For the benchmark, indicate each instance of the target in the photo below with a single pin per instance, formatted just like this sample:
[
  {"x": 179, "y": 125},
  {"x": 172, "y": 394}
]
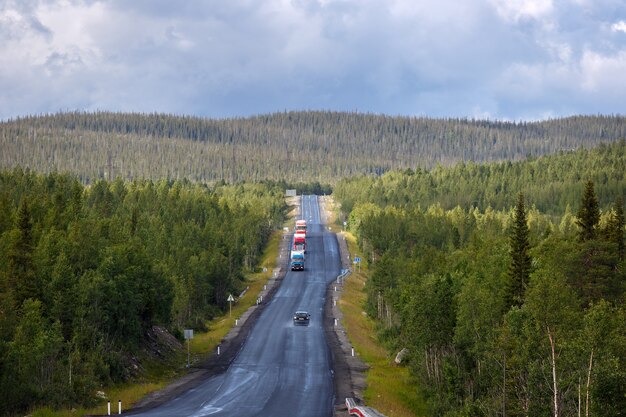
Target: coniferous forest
[
  {"x": 291, "y": 146},
  {"x": 506, "y": 282},
  {"x": 496, "y": 249},
  {"x": 87, "y": 271}
]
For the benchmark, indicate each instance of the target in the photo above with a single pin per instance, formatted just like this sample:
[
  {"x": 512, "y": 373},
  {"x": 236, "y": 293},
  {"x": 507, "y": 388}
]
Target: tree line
[
  {"x": 506, "y": 311},
  {"x": 291, "y": 146},
  {"x": 87, "y": 271},
  {"x": 555, "y": 183}
]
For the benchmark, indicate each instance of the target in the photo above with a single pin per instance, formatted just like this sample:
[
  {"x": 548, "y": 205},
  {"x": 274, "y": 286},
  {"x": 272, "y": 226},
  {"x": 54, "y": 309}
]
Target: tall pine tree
[
  {"x": 615, "y": 227},
  {"x": 588, "y": 214},
  {"x": 519, "y": 269},
  {"x": 21, "y": 268}
]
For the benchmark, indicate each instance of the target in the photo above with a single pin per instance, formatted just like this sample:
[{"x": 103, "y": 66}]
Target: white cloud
[
  {"x": 498, "y": 58},
  {"x": 619, "y": 26},
  {"x": 515, "y": 10},
  {"x": 605, "y": 74}
]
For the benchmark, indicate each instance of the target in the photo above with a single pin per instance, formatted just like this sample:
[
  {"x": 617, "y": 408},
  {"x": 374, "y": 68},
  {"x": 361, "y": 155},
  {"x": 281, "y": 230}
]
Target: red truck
[
  {"x": 301, "y": 226},
  {"x": 299, "y": 242}
]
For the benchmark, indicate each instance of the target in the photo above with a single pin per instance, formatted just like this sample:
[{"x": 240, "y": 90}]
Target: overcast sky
[{"x": 497, "y": 59}]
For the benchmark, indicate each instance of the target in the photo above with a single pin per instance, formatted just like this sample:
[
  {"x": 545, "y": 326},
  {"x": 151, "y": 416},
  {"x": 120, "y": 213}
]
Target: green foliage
[
  {"x": 605, "y": 337},
  {"x": 503, "y": 308},
  {"x": 519, "y": 271},
  {"x": 551, "y": 183},
  {"x": 31, "y": 362},
  {"x": 615, "y": 227},
  {"x": 87, "y": 271},
  {"x": 20, "y": 269},
  {"x": 589, "y": 213}
]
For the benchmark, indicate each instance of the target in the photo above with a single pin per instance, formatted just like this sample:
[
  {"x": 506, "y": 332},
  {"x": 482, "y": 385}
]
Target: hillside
[
  {"x": 511, "y": 302},
  {"x": 291, "y": 146},
  {"x": 86, "y": 272},
  {"x": 552, "y": 182}
]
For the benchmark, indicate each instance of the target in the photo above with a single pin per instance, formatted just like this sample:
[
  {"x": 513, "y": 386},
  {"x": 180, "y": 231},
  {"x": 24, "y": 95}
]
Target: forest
[
  {"x": 496, "y": 249},
  {"x": 555, "y": 182},
  {"x": 291, "y": 146},
  {"x": 511, "y": 303},
  {"x": 86, "y": 271}
]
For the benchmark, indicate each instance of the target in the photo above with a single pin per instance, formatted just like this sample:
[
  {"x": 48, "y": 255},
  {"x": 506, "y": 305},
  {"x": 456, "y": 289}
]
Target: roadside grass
[
  {"x": 390, "y": 389},
  {"x": 331, "y": 214},
  {"x": 159, "y": 374}
]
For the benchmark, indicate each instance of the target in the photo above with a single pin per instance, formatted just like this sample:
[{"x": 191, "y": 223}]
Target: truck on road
[
  {"x": 301, "y": 226},
  {"x": 299, "y": 242},
  {"x": 297, "y": 260}
]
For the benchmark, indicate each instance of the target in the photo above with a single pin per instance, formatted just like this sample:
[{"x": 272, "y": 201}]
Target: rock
[{"x": 400, "y": 356}]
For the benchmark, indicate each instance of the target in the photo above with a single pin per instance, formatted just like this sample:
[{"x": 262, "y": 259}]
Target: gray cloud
[{"x": 507, "y": 59}]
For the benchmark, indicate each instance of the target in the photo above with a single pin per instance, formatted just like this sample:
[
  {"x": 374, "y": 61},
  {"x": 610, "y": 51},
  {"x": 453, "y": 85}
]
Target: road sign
[
  {"x": 230, "y": 304},
  {"x": 188, "y": 336},
  {"x": 357, "y": 260}
]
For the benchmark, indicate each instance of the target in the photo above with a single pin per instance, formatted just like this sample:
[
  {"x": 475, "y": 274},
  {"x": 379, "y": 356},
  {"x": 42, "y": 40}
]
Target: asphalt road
[{"x": 282, "y": 369}]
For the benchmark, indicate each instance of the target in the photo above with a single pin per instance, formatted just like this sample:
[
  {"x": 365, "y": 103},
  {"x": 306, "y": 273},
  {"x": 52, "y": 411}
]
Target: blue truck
[{"x": 297, "y": 260}]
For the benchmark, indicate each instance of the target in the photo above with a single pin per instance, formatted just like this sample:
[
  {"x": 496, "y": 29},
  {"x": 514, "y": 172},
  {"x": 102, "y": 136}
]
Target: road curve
[{"x": 281, "y": 370}]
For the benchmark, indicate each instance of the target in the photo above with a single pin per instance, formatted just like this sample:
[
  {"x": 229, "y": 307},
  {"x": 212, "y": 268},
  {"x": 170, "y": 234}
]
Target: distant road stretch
[{"x": 282, "y": 370}]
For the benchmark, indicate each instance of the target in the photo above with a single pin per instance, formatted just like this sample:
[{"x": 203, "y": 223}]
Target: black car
[{"x": 301, "y": 317}]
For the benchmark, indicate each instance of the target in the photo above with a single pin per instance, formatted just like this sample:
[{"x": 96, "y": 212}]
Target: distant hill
[{"x": 291, "y": 146}]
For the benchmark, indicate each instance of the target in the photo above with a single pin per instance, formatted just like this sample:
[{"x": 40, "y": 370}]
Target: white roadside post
[{"x": 188, "y": 336}]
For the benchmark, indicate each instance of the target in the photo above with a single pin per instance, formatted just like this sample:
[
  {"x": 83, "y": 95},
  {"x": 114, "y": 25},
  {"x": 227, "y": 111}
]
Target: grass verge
[{"x": 390, "y": 389}]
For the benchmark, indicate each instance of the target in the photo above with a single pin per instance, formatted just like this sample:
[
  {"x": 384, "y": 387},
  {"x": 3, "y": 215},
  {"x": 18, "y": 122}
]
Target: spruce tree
[
  {"x": 21, "y": 269},
  {"x": 615, "y": 227},
  {"x": 519, "y": 269},
  {"x": 588, "y": 214}
]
